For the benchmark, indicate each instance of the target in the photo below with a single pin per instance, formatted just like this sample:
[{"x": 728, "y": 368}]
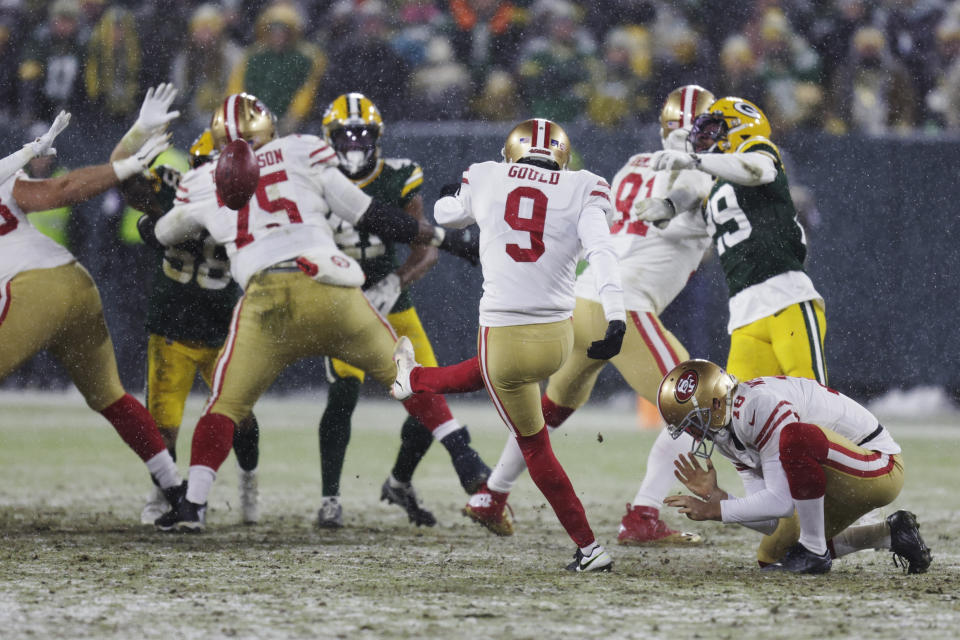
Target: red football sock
[
  {"x": 455, "y": 378},
  {"x": 802, "y": 448},
  {"x": 552, "y": 480},
  {"x": 136, "y": 426},
  {"x": 212, "y": 440},
  {"x": 554, "y": 414},
  {"x": 429, "y": 408}
]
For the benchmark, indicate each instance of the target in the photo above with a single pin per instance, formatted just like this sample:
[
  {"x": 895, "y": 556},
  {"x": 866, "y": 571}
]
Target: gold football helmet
[
  {"x": 728, "y": 123},
  {"x": 201, "y": 151},
  {"x": 352, "y": 125},
  {"x": 243, "y": 116},
  {"x": 696, "y": 397},
  {"x": 537, "y": 139},
  {"x": 682, "y": 106}
]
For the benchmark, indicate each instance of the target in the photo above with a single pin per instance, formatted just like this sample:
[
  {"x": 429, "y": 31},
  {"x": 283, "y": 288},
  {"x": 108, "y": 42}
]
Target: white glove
[
  {"x": 677, "y": 140},
  {"x": 654, "y": 209},
  {"x": 154, "y": 116},
  {"x": 384, "y": 294},
  {"x": 154, "y": 146},
  {"x": 670, "y": 160},
  {"x": 43, "y": 146}
]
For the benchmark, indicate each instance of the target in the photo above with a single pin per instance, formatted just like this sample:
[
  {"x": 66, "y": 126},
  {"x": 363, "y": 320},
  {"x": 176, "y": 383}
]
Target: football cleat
[
  {"x": 406, "y": 361},
  {"x": 597, "y": 560},
  {"x": 247, "y": 486},
  {"x": 156, "y": 506},
  {"x": 642, "y": 525},
  {"x": 799, "y": 559},
  {"x": 490, "y": 509},
  {"x": 330, "y": 515},
  {"x": 909, "y": 550},
  {"x": 406, "y": 498},
  {"x": 185, "y": 517}
]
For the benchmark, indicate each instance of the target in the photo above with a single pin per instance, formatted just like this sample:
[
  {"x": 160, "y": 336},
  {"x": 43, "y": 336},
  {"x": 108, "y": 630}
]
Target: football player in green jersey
[
  {"x": 191, "y": 303},
  {"x": 352, "y": 125},
  {"x": 777, "y": 322}
]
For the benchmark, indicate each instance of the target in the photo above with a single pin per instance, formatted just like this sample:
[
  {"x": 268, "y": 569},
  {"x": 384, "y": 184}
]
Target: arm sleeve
[
  {"x": 753, "y": 483},
  {"x": 771, "y": 501},
  {"x": 14, "y": 162},
  {"x": 176, "y": 226},
  {"x": 599, "y": 252},
  {"x": 750, "y": 169},
  {"x": 456, "y": 211},
  {"x": 689, "y": 190},
  {"x": 346, "y": 200}
]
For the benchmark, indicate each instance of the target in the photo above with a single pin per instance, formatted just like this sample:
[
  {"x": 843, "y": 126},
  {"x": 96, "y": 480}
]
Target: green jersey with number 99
[
  {"x": 755, "y": 229},
  {"x": 193, "y": 295}
]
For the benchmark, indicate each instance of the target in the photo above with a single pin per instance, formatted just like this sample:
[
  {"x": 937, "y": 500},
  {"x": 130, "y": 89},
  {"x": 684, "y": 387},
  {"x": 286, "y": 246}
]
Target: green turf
[{"x": 75, "y": 563}]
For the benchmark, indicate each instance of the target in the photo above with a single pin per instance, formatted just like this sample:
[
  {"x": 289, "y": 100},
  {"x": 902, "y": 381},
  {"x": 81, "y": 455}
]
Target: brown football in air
[{"x": 237, "y": 174}]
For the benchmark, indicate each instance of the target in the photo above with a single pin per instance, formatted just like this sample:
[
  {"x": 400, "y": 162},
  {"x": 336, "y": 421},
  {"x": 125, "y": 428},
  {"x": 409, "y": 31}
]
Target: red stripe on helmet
[{"x": 546, "y": 134}]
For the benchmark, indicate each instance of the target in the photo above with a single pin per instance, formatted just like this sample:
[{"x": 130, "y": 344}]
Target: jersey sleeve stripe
[
  {"x": 764, "y": 438},
  {"x": 766, "y": 425},
  {"x": 322, "y": 160},
  {"x": 410, "y": 186},
  {"x": 464, "y": 180},
  {"x": 323, "y": 149},
  {"x": 601, "y": 194}
]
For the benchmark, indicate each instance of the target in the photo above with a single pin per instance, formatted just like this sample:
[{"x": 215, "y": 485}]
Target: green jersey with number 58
[
  {"x": 755, "y": 229},
  {"x": 193, "y": 295}
]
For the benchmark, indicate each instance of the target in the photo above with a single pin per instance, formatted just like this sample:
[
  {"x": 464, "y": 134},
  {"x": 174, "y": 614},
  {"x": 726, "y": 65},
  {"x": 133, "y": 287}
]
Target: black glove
[
  {"x": 145, "y": 226},
  {"x": 610, "y": 345},
  {"x": 451, "y": 189},
  {"x": 462, "y": 243}
]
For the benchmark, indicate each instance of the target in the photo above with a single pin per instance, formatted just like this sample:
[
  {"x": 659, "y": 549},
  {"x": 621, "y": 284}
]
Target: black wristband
[{"x": 390, "y": 223}]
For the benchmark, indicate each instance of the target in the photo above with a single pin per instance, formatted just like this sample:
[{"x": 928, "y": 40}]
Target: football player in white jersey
[
  {"x": 49, "y": 301},
  {"x": 812, "y": 461},
  {"x": 302, "y": 294},
  {"x": 534, "y": 216},
  {"x": 655, "y": 264}
]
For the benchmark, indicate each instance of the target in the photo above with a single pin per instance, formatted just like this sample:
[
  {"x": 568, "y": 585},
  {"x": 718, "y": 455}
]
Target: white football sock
[
  {"x": 199, "y": 482},
  {"x": 446, "y": 429},
  {"x": 164, "y": 469},
  {"x": 659, "y": 478},
  {"x": 810, "y": 513},
  {"x": 869, "y": 536}
]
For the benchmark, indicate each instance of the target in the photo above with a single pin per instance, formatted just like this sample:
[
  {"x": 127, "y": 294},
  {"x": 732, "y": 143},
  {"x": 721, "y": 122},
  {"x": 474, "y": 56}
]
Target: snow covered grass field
[{"x": 76, "y": 563}]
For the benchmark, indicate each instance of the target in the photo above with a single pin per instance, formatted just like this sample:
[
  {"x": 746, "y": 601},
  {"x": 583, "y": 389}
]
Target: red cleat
[
  {"x": 642, "y": 525},
  {"x": 490, "y": 509}
]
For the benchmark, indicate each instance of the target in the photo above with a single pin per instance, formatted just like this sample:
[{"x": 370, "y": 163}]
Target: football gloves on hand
[
  {"x": 450, "y": 189},
  {"x": 659, "y": 211},
  {"x": 462, "y": 243},
  {"x": 154, "y": 115},
  {"x": 611, "y": 343},
  {"x": 384, "y": 294},
  {"x": 43, "y": 146},
  {"x": 670, "y": 160},
  {"x": 154, "y": 146}
]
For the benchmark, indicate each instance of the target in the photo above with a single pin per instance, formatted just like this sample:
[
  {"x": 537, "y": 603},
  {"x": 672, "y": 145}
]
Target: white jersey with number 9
[{"x": 533, "y": 222}]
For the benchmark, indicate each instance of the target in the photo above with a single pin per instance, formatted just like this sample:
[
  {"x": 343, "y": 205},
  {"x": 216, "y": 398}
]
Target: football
[{"x": 237, "y": 174}]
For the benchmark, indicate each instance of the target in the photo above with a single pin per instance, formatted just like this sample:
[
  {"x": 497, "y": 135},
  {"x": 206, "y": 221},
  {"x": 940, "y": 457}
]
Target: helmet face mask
[
  {"x": 707, "y": 133},
  {"x": 352, "y": 125},
  {"x": 696, "y": 397}
]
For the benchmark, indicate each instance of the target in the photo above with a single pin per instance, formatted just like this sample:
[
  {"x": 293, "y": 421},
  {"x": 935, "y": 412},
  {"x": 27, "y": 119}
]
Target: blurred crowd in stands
[{"x": 872, "y": 66}]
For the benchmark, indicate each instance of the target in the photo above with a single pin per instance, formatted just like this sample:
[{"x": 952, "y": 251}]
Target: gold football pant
[
  {"x": 59, "y": 309},
  {"x": 649, "y": 351},
  {"x": 858, "y": 481},
  {"x": 513, "y": 361},
  {"x": 790, "y": 342},
  {"x": 172, "y": 367},
  {"x": 404, "y": 323},
  {"x": 285, "y": 316}
]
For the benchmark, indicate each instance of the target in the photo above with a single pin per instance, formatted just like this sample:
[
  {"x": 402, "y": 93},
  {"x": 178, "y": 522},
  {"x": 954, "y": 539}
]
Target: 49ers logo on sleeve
[{"x": 686, "y": 385}]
